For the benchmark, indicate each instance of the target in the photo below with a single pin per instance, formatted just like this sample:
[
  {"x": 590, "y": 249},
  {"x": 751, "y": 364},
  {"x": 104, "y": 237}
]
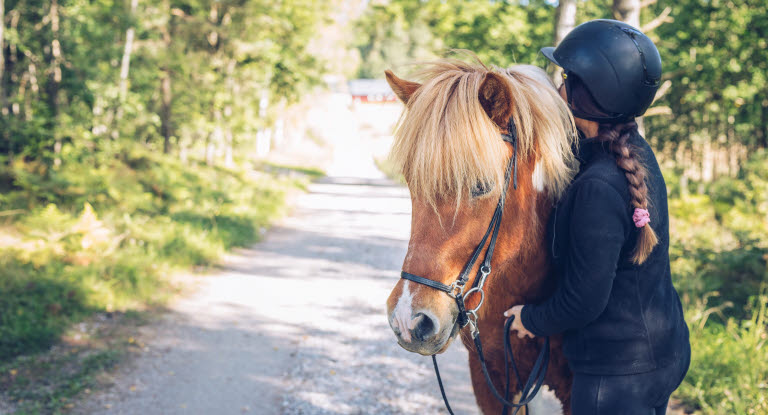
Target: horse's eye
[{"x": 481, "y": 189}]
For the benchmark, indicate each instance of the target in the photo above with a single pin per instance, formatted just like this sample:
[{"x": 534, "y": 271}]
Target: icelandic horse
[{"x": 448, "y": 146}]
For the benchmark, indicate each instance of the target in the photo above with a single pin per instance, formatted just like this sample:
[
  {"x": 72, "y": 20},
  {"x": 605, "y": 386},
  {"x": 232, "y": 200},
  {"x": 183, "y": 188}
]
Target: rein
[{"x": 469, "y": 317}]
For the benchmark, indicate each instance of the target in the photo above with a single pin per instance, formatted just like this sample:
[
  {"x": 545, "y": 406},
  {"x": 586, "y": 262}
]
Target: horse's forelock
[{"x": 445, "y": 143}]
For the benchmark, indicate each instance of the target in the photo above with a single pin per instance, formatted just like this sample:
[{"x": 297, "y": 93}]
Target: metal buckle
[
  {"x": 456, "y": 289},
  {"x": 485, "y": 271},
  {"x": 472, "y": 321}
]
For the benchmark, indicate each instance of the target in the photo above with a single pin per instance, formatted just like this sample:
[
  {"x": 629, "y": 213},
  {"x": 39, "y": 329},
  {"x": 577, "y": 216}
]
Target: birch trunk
[
  {"x": 165, "y": 85},
  {"x": 53, "y": 85},
  {"x": 3, "y": 85},
  {"x": 566, "y": 20},
  {"x": 628, "y": 11},
  {"x": 125, "y": 63},
  {"x": 3, "y": 92}
]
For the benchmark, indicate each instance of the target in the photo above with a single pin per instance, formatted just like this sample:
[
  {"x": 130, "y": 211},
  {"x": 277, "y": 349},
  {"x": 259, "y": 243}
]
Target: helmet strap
[{"x": 602, "y": 120}]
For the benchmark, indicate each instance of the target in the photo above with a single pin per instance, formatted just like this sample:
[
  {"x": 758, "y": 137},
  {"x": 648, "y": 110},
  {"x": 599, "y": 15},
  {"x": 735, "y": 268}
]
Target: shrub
[
  {"x": 729, "y": 365},
  {"x": 88, "y": 238}
]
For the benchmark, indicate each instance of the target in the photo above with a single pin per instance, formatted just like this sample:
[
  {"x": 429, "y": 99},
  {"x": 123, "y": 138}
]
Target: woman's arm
[{"x": 598, "y": 230}]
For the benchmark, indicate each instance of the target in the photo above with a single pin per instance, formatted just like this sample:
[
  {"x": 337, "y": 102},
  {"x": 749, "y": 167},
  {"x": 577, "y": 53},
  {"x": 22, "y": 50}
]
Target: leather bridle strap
[{"x": 429, "y": 283}]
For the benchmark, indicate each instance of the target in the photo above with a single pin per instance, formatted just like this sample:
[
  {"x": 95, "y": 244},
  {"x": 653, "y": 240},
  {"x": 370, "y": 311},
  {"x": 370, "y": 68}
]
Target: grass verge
[
  {"x": 98, "y": 238},
  {"x": 46, "y": 383}
]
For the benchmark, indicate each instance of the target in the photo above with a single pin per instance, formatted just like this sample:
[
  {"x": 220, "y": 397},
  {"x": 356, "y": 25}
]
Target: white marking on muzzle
[
  {"x": 538, "y": 179},
  {"x": 403, "y": 311}
]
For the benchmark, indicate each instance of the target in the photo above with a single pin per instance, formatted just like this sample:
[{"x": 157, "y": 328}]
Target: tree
[
  {"x": 501, "y": 33},
  {"x": 566, "y": 21},
  {"x": 87, "y": 78},
  {"x": 627, "y": 11},
  {"x": 717, "y": 93}
]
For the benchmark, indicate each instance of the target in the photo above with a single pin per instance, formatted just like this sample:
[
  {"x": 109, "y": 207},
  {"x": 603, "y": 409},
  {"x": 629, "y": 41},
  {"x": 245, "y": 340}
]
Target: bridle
[{"x": 469, "y": 317}]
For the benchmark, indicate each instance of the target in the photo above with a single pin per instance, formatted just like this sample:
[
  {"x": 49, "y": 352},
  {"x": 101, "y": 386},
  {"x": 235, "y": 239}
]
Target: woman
[{"x": 624, "y": 332}]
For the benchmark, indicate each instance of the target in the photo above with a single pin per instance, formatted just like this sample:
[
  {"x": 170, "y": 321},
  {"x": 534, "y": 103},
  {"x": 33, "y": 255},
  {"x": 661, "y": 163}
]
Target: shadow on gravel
[
  {"x": 330, "y": 372},
  {"x": 333, "y": 368},
  {"x": 308, "y": 245}
]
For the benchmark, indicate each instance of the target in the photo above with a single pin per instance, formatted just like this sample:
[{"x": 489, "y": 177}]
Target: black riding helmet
[{"x": 619, "y": 65}]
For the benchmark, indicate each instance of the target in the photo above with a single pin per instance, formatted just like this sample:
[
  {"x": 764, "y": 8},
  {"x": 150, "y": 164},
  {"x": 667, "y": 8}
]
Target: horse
[{"x": 449, "y": 147}]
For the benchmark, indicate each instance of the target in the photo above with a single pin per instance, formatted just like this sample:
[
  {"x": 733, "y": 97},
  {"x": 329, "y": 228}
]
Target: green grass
[
  {"x": 389, "y": 169},
  {"x": 65, "y": 377},
  {"x": 290, "y": 170},
  {"x": 46, "y": 383},
  {"x": 729, "y": 365},
  {"x": 105, "y": 236}
]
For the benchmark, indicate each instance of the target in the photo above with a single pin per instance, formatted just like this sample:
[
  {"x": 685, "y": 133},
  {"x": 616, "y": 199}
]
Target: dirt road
[{"x": 296, "y": 324}]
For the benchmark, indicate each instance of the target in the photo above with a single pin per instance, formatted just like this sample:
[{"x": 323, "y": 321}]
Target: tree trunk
[
  {"x": 566, "y": 20},
  {"x": 229, "y": 138},
  {"x": 3, "y": 92},
  {"x": 126, "y": 62},
  {"x": 165, "y": 111},
  {"x": 165, "y": 86},
  {"x": 764, "y": 122},
  {"x": 125, "y": 65},
  {"x": 3, "y": 87},
  {"x": 10, "y": 61},
  {"x": 627, "y": 11},
  {"x": 210, "y": 148},
  {"x": 214, "y": 137},
  {"x": 53, "y": 85}
]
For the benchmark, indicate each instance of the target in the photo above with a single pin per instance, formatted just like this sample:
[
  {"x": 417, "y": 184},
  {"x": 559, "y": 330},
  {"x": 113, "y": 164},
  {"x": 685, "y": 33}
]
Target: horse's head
[{"x": 449, "y": 148}]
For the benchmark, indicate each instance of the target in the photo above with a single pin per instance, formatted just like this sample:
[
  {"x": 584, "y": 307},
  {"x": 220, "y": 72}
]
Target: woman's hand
[{"x": 517, "y": 323}]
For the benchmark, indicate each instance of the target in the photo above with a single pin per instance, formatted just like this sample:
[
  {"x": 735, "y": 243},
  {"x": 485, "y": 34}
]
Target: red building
[{"x": 370, "y": 91}]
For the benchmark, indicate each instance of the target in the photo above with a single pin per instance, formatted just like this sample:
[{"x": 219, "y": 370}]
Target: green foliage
[
  {"x": 719, "y": 255},
  {"x": 720, "y": 239},
  {"x": 105, "y": 239},
  {"x": 386, "y": 166},
  {"x": 34, "y": 306},
  {"x": 715, "y": 55},
  {"x": 500, "y": 32},
  {"x": 729, "y": 365},
  {"x": 202, "y": 75}
]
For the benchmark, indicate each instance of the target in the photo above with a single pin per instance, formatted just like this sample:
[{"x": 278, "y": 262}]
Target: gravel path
[{"x": 296, "y": 324}]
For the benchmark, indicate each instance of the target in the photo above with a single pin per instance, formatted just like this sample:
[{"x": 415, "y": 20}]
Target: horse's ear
[
  {"x": 495, "y": 96},
  {"x": 402, "y": 88}
]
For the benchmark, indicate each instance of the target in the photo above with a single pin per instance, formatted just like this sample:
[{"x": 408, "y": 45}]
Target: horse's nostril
[{"x": 423, "y": 327}]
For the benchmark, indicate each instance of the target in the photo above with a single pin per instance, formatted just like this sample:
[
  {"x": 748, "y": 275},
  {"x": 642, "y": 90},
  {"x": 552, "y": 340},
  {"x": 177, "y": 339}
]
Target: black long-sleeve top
[{"x": 617, "y": 317}]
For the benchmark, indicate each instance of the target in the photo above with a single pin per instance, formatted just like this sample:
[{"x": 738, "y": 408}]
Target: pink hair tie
[{"x": 641, "y": 217}]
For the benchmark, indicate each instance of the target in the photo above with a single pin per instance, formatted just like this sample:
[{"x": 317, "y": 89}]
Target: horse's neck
[{"x": 521, "y": 259}]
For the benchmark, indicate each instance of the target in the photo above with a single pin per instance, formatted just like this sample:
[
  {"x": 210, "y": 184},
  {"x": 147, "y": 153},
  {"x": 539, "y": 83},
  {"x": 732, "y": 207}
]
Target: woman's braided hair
[{"x": 627, "y": 158}]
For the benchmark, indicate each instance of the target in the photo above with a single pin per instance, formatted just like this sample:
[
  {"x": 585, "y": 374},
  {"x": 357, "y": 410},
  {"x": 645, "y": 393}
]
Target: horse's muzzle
[{"x": 423, "y": 334}]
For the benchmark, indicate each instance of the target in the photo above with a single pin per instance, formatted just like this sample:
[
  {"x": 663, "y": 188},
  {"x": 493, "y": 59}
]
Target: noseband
[{"x": 469, "y": 317}]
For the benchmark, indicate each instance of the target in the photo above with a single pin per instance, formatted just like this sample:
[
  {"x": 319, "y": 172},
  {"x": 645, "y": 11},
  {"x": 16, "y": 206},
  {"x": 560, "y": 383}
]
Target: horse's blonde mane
[{"x": 445, "y": 143}]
